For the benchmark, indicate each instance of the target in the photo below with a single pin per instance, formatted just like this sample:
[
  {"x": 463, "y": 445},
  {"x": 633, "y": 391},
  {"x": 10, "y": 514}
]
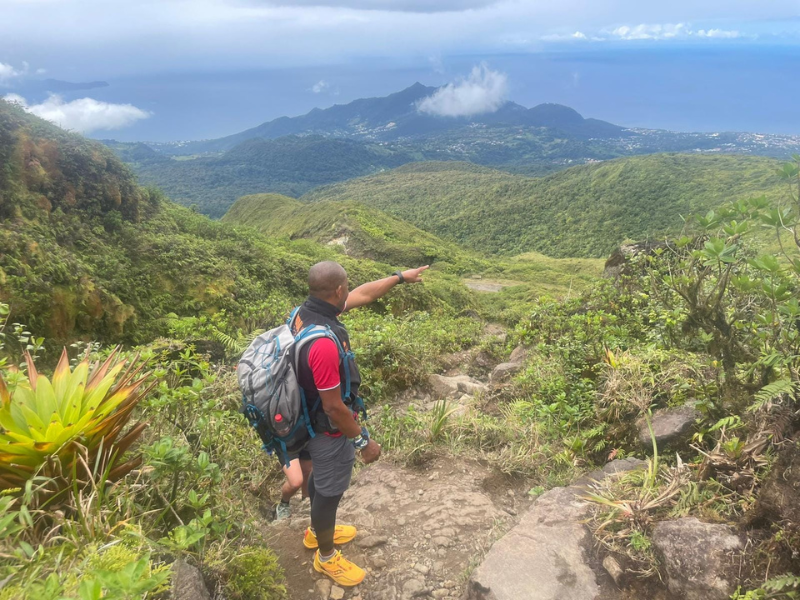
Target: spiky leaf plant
[{"x": 70, "y": 428}]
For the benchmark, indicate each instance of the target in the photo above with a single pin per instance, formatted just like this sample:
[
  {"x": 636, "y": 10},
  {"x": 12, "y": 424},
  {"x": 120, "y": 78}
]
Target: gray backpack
[{"x": 272, "y": 399}]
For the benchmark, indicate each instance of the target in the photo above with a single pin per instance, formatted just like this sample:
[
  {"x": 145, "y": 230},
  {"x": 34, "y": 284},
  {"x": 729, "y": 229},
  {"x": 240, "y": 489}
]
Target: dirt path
[{"x": 421, "y": 531}]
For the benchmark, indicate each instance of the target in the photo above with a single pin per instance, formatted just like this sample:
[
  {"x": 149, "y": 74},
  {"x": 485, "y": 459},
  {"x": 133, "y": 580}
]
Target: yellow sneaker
[
  {"x": 341, "y": 535},
  {"x": 341, "y": 570}
]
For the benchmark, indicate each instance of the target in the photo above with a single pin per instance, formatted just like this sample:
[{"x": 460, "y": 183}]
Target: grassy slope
[
  {"x": 361, "y": 231},
  {"x": 374, "y": 234},
  {"x": 583, "y": 211}
]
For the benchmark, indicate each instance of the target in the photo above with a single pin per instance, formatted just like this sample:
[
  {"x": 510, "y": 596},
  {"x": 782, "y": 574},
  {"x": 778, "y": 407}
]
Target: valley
[{"x": 627, "y": 427}]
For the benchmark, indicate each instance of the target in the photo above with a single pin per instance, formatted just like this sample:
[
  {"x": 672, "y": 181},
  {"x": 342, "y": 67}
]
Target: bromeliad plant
[{"x": 69, "y": 429}]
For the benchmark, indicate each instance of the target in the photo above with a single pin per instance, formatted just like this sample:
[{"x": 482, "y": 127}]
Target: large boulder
[
  {"x": 671, "y": 427},
  {"x": 545, "y": 556},
  {"x": 699, "y": 558},
  {"x": 187, "y": 582}
]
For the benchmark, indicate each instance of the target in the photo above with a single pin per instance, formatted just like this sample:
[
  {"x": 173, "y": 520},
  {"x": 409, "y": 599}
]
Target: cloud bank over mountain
[
  {"x": 484, "y": 91},
  {"x": 84, "y": 115}
]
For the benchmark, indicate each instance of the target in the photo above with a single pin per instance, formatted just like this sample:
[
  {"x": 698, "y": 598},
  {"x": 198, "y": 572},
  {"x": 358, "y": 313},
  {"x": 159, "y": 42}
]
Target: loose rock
[
  {"x": 447, "y": 387},
  {"x": 187, "y": 583},
  {"x": 611, "y": 565},
  {"x": 504, "y": 371},
  {"x": 472, "y": 387},
  {"x": 518, "y": 355},
  {"x": 371, "y": 541},
  {"x": 670, "y": 426},
  {"x": 698, "y": 558},
  {"x": 413, "y": 587},
  {"x": 337, "y": 593},
  {"x": 324, "y": 587}
]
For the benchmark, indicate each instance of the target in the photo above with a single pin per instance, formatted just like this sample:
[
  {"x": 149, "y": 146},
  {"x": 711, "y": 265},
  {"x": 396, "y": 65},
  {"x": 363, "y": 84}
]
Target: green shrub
[{"x": 254, "y": 574}]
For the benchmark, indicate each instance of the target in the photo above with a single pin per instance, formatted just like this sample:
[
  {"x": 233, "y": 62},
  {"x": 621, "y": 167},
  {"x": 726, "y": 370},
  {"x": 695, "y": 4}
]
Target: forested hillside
[
  {"x": 583, "y": 211},
  {"x": 291, "y": 165},
  {"x": 86, "y": 253}
]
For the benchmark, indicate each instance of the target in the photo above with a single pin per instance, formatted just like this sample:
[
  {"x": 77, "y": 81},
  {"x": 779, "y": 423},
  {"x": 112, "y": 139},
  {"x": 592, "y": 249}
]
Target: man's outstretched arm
[{"x": 369, "y": 292}]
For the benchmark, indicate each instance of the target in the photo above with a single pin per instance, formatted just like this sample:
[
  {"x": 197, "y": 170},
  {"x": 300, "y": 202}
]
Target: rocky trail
[
  {"x": 420, "y": 531},
  {"x": 456, "y": 528}
]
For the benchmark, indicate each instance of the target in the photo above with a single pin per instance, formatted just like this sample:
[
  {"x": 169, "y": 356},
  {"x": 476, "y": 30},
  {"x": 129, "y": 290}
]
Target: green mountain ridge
[
  {"x": 583, "y": 211},
  {"x": 397, "y": 116},
  {"x": 85, "y": 253}
]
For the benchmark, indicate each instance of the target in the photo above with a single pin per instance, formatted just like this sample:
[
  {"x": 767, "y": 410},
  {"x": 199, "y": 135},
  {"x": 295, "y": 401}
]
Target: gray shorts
[{"x": 333, "y": 459}]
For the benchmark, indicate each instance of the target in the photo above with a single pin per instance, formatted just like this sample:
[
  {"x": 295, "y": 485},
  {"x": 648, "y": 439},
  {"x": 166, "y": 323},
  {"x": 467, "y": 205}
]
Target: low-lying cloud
[
  {"x": 83, "y": 115},
  {"x": 484, "y": 91},
  {"x": 320, "y": 86},
  {"x": 669, "y": 31}
]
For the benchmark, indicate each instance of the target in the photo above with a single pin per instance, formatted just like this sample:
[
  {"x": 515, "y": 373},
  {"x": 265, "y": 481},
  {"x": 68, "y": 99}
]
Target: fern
[
  {"x": 786, "y": 585},
  {"x": 235, "y": 345},
  {"x": 772, "y": 391}
]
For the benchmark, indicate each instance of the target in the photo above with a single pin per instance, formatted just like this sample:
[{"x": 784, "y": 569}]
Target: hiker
[{"x": 337, "y": 432}]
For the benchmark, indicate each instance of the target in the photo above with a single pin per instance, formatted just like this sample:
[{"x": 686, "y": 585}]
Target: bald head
[{"x": 325, "y": 278}]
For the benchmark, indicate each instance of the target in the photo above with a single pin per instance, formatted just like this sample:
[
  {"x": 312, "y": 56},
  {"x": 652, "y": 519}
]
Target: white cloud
[
  {"x": 718, "y": 33},
  {"x": 8, "y": 72},
  {"x": 320, "y": 86},
  {"x": 565, "y": 37},
  {"x": 84, "y": 115},
  {"x": 669, "y": 31},
  {"x": 484, "y": 91},
  {"x": 651, "y": 32}
]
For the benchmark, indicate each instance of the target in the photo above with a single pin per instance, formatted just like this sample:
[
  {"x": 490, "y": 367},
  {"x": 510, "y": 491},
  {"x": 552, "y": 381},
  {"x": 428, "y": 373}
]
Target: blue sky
[{"x": 126, "y": 41}]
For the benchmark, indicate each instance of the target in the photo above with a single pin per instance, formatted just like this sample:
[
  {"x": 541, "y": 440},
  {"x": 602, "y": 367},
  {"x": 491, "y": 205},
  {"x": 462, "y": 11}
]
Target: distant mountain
[
  {"x": 290, "y": 165},
  {"x": 584, "y": 211},
  {"x": 396, "y": 117}
]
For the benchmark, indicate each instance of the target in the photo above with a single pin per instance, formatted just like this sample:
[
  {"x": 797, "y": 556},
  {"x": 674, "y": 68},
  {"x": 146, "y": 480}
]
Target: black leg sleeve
[
  {"x": 323, "y": 520},
  {"x": 311, "y": 488}
]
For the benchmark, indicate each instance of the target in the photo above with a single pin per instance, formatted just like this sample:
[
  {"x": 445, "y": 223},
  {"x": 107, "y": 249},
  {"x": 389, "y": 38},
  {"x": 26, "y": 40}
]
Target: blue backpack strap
[
  {"x": 344, "y": 357},
  {"x": 293, "y": 314}
]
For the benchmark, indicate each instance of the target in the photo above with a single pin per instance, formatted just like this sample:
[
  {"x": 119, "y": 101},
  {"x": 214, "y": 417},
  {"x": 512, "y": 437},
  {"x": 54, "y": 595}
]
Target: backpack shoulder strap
[
  {"x": 315, "y": 332},
  {"x": 292, "y": 316}
]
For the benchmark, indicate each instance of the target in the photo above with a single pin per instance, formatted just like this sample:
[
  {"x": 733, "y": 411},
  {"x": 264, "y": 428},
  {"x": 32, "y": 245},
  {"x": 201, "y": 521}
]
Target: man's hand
[
  {"x": 414, "y": 275},
  {"x": 371, "y": 453}
]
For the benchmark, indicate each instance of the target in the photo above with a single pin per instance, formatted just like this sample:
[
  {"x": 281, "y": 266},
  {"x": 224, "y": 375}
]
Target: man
[{"x": 321, "y": 374}]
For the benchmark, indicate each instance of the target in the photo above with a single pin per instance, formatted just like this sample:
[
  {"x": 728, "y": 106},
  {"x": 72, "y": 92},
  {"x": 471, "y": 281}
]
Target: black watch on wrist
[{"x": 400, "y": 276}]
